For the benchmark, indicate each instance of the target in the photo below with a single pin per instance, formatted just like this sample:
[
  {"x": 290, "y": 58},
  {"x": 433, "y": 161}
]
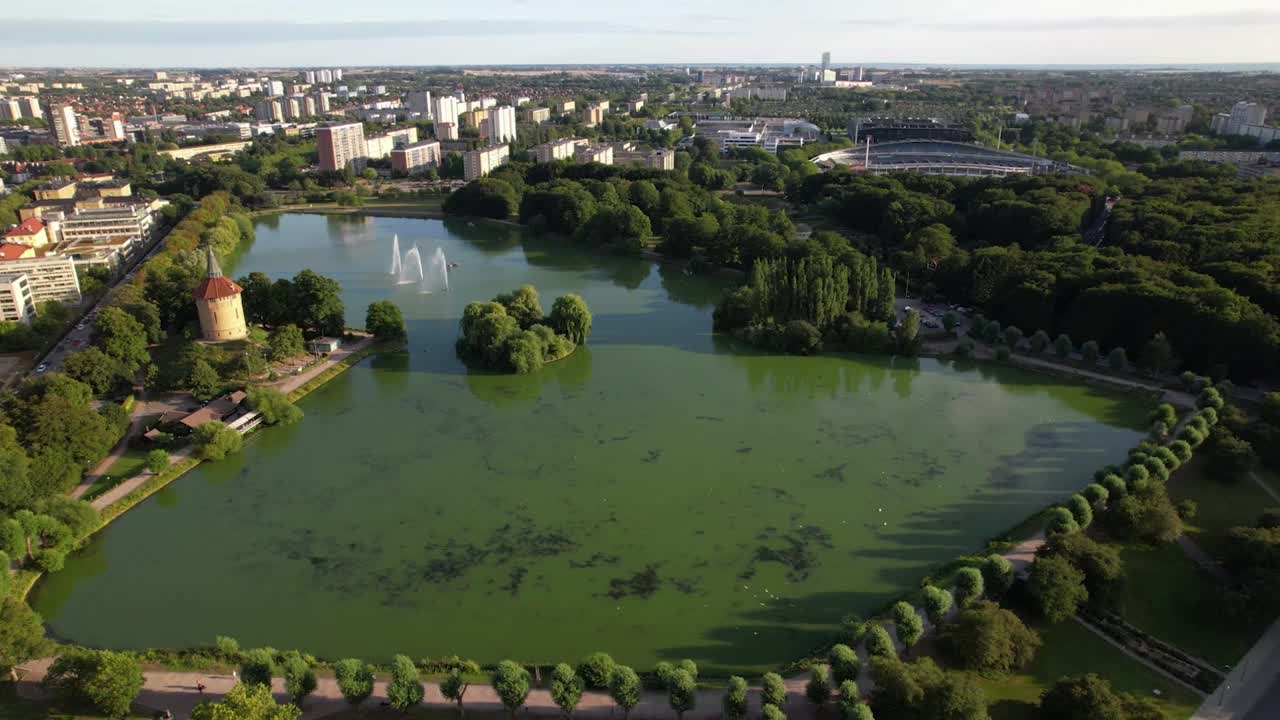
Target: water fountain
[
  {"x": 437, "y": 276},
  {"x": 409, "y": 268}
]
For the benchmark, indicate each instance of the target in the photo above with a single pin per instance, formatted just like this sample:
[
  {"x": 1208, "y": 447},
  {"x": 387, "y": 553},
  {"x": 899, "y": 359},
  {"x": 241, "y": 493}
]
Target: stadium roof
[{"x": 941, "y": 157}]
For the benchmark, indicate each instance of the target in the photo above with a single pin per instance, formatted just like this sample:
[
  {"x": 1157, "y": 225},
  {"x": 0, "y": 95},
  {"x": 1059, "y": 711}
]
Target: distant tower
[
  {"x": 826, "y": 65},
  {"x": 218, "y": 304}
]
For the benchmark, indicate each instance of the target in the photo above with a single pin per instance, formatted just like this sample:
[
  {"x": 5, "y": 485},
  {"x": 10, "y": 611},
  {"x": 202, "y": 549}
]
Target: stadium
[{"x": 940, "y": 157}]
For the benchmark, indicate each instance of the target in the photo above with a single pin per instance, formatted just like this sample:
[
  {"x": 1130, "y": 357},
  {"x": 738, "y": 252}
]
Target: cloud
[
  {"x": 1198, "y": 21},
  {"x": 44, "y": 32}
]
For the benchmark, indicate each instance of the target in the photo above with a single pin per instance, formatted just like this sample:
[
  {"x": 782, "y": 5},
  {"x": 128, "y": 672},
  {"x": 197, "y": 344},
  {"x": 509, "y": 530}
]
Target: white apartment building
[
  {"x": 97, "y": 224},
  {"x": 269, "y": 110},
  {"x": 446, "y": 131},
  {"x": 502, "y": 124},
  {"x": 561, "y": 149},
  {"x": 16, "y": 301},
  {"x": 419, "y": 102},
  {"x": 445, "y": 110},
  {"x": 488, "y": 102},
  {"x": 602, "y": 154},
  {"x": 273, "y": 88},
  {"x": 413, "y": 158},
  {"x": 538, "y": 115},
  {"x": 380, "y": 146},
  {"x": 65, "y": 127},
  {"x": 478, "y": 163},
  {"x": 50, "y": 278}
]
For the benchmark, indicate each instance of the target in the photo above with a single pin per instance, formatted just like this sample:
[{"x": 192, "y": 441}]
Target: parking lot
[{"x": 931, "y": 315}]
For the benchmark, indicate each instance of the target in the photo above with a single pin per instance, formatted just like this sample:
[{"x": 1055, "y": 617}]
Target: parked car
[{"x": 42, "y": 367}]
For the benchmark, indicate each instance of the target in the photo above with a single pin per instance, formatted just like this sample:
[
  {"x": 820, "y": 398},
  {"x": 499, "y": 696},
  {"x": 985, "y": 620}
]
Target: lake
[{"x": 662, "y": 493}]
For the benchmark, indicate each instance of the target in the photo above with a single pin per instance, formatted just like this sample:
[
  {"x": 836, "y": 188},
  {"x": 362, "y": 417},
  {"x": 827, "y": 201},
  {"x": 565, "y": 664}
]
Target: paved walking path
[
  {"x": 293, "y": 382},
  {"x": 1266, "y": 487},
  {"x": 1252, "y": 689},
  {"x": 177, "y": 691},
  {"x": 287, "y": 385}
]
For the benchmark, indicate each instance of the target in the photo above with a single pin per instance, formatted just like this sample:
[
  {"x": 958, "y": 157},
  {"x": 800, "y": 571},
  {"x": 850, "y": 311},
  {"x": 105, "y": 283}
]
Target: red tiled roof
[
  {"x": 215, "y": 288},
  {"x": 30, "y": 226},
  {"x": 12, "y": 251}
]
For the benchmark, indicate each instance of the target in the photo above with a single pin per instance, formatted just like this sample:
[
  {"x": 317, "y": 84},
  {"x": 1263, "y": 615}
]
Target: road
[{"x": 80, "y": 335}]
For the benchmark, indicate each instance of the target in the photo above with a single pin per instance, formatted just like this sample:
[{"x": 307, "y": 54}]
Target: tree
[
  {"x": 878, "y": 643},
  {"x": 384, "y": 319},
  {"x": 596, "y": 669},
  {"x": 773, "y": 691},
  {"x": 21, "y": 635},
  {"x": 957, "y": 697},
  {"x": 1090, "y": 352},
  {"x": 215, "y": 441},
  {"x": 157, "y": 461},
  {"x": 299, "y": 678},
  {"x": 1164, "y": 413},
  {"x": 203, "y": 380},
  {"x": 818, "y": 689},
  {"x": 844, "y": 663},
  {"x": 123, "y": 339},
  {"x": 1063, "y": 346},
  {"x": 1060, "y": 521},
  {"x": 1101, "y": 564},
  {"x": 1084, "y": 698},
  {"x": 405, "y": 690},
  {"x": 682, "y": 693},
  {"x": 851, "y": 705},
  {"x": 454, "y": 687},
  {"x": 284, "y": 342},
  {"x": 734, "y": 705},
  {"x": 937, "y": 603},
  {"x": 1232, "y": 458},
  {"x": 1117, "y": 359},
  {"x": 511, "y": 682},
  {"x": 485, "y": 197},
  {"x": 571, "y": 318},
  {"x": 771, "y": 712},
  {"x": 907, "y": 623},
  {"x": 624, "y": 688},
  {"x": 1058, "y": 587},
  {"x": 1012, "y": 336},
  {"x": 106, "y": 680},
  {"x": 1157, "y": 355},
  {"x": 95, "y": 369},
  {"x": 1271, "y": 407},
  {"x": 566, "y": 688},
  {"x": 275, "y": 407},
  {"x": 355, "y": 681},
  {"x": 1210, "y": 398},
  {"x": 969, "y": 586},
  {"x": 257, "y": 667},
  {"x": 246, "y": 702},
  {"x": 987, "y": 638},
  {"x": 997, "y": 574},
  {"x": 1039, "y": 341},
  {"x": 1081, "y": 509}
]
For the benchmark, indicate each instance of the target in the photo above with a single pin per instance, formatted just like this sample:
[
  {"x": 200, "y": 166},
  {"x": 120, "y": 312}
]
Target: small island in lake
[{"x": 510, "y": 333}]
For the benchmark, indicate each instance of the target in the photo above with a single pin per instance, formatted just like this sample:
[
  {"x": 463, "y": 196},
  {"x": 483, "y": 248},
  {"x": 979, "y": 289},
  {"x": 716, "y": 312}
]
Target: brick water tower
[{"x": 218, "y": 304}]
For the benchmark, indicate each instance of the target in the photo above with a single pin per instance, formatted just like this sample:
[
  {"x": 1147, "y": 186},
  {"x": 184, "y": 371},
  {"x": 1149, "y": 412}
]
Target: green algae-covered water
[{"x": 663, "y": 493}]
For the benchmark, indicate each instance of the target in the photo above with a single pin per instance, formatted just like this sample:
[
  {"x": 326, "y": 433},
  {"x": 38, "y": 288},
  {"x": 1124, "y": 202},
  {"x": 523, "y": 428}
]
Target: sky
[{"x": 257, "y": 33}]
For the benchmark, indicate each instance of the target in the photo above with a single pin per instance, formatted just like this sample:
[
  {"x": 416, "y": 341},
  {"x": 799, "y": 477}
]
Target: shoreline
[
  {"x": 183, "y": 463},
  {"x": 341, "y": 366}
]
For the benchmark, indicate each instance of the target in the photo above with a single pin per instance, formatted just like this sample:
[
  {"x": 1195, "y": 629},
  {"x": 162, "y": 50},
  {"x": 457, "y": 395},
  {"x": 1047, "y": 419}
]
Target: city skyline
[{"x": 63, "y": 33}]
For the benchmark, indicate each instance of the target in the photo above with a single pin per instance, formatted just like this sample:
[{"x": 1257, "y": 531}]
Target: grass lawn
[
  {"x": 1169, "y": 596},
  {"x": 1072, "y": 650},
  {"x": 14, "y": 708},
  {"x": 1222, "y": 506}
]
